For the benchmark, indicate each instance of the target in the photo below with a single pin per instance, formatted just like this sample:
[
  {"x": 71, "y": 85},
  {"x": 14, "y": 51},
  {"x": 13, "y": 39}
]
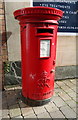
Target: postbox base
[{"x": 33, "y": 103}]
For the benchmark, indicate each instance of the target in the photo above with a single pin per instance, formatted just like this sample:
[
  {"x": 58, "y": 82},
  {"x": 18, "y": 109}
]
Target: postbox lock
[
  {"x": 52, "y": 71},
  {"x": 23, "y": 28}
]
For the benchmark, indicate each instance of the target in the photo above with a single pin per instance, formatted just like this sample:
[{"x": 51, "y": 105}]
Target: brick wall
[{"x": 3, "y": 44}]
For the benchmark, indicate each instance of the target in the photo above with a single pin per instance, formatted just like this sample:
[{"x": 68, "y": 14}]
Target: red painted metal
[{"x": 36, "y": 24}]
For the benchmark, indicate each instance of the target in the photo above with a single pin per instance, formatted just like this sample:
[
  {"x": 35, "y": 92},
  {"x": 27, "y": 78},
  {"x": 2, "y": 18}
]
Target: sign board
[{"x": 69, "y": 22}]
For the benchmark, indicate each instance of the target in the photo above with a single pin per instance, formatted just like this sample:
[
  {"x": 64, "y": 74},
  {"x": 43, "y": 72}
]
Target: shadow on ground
[{"x": 12, "y": 98}]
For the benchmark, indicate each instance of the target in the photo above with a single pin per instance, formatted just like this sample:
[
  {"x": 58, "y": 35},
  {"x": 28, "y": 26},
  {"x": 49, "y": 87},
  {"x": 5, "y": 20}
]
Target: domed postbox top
[{"x": 38, "y": 13}]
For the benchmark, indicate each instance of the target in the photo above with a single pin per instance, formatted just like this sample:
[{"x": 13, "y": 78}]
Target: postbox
[{"x": 38, "y": 31}]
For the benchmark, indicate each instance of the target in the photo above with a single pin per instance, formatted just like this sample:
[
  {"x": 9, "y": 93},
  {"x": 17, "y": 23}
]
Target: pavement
[{"x": 62, "y": 106}]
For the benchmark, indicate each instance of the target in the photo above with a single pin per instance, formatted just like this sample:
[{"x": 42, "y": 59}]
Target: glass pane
[{"x": 44, "y": 48}]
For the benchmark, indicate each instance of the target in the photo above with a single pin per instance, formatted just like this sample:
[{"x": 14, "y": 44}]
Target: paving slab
[
  {"x": 68, "y": 112},
  {"x": 72, "y": 94},
  {"x": 58, "y": 101},
  {"x": 69, "y": 83},
  {"x": 44, "y": 115},
  {"x": 73, "y": 81},
  {"x": 12, "y": 97},
  {"x": 30, "y": 119},
  {"x": 22, "y": 104},
  {"x": 18, "y": 117},
  {"x": 1, "y": 113},
  {"x": 4, "y": 104},
  {"x": 74, "y": 88},
  {"x": 27, "y": 111},
  {"x": 70, "y": 91},
  {"x": 56, "y": 85},
  {"x": 5, "y": 113},
  {"x": 32, "y": 116},
  {"x": 65, "y": 96},
  {"x": 39, "y": 109},
  {"x": 55, "y": 94},
  {"x": 5, "y": 119},
  {"x": 58, "y": 90},
  {"x": 75, "y": 110},
  {"x": 74, "y": 98},
  {"x": 65, "y": 88},
  {"x": 57, "y": 114},
  {"x": 51, "y": 107},
  {"x": 62, "y": 106},
  {"x": 14, "y": 111},
  {"x": 60, "y": 83},
  {"x": 71, "y": 103}
]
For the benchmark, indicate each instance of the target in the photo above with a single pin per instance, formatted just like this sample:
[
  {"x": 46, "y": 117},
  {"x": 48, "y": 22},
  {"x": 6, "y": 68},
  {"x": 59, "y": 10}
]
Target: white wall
[
  {"x": 66, "y": 50},
  {"x": 13, "y": 29}
]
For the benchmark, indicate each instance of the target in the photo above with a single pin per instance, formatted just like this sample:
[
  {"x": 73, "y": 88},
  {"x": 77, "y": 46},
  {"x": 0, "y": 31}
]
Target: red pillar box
[{"x": 38, "y": 29}]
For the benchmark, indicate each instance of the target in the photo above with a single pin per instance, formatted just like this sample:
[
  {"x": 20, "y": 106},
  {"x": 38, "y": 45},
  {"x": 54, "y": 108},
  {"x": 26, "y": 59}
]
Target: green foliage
[{"x": 7, "y": 67}]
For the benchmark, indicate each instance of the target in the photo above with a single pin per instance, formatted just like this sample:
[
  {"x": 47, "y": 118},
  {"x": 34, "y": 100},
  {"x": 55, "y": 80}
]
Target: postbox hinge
[{"x": 23, "y": 28}]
